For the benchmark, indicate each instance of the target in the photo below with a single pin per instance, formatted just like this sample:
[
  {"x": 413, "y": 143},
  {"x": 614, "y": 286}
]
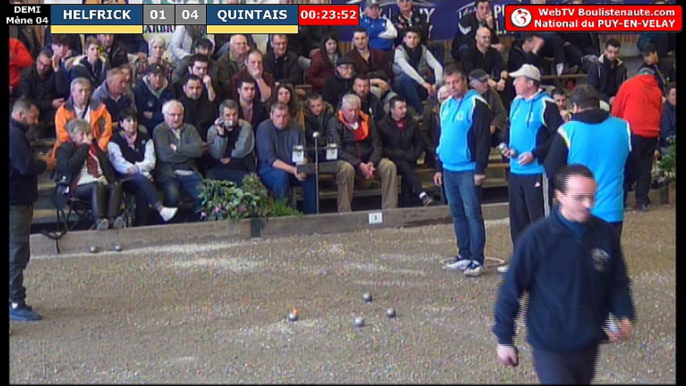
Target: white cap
[{"x": 531, "y": 72}]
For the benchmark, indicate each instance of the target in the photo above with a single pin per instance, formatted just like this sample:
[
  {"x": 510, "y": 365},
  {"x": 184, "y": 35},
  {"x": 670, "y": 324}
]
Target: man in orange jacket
[
  {"x": 639, "y": 101},
  {"x": 81, "y": 105}
]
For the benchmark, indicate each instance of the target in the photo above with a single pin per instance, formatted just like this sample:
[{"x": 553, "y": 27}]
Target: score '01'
[{"x": 157, "y": 15}]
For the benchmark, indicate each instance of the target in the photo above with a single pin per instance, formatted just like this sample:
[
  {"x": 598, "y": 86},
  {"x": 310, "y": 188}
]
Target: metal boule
[
  {"x": 391, "y": 313},
  {"x": 358, "y": 322},
  {"x": 118, "y": 248},
  {"x": 367, "y": 297},
  {"x": 93, "y": 249}
]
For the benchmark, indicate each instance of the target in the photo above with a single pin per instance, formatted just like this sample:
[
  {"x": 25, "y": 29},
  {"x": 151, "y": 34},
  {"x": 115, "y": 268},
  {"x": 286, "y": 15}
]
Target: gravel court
[{"x": 216, "y": 313}]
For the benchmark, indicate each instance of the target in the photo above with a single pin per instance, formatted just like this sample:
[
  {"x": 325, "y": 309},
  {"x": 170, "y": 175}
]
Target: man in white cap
[{"x": 534, "y": 120}]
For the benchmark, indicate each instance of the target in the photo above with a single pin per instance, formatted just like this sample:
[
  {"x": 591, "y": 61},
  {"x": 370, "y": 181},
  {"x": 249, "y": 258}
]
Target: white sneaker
[
  {"x": 473, "y": 270},
  {"x": 168, "y": 213},
  {"x": 503, "y": 268},
  {"x": 102, "y": 224},
  {"x": 458, "y": 265}
]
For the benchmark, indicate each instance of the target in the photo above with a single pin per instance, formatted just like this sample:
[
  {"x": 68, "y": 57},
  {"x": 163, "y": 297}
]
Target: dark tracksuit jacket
[
  {"x": 148, "y": 100},
  {"x": 24, "y": 168},
  {"x": 573, "y": 283}
]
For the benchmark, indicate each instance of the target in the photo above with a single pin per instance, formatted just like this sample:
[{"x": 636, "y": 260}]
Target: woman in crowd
[
  {"x": 157, "y": 46},
  {"x": 286, "y": 93},
  {"x": 323, "y": 62},
  {"x": 84, "y": 172},
  {"x": 132, "y": 154}
]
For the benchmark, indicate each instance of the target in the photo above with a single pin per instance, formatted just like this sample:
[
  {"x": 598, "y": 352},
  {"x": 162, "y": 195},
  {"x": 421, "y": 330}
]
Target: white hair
[
  {"x": 351, "y": 100},
  {"x": 159, "y": 40},
  {"x": 168, "y": 105}
]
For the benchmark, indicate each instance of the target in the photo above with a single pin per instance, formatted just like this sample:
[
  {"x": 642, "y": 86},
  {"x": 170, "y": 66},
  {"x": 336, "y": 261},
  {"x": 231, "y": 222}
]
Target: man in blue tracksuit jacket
[
  {"x": 602, "y": 143},
  {"x": 572, "y": 268},
  {"x": 462, "y": 152},
  {"x": 381, "y": 31},
  {"x": 534, "y": 119}
]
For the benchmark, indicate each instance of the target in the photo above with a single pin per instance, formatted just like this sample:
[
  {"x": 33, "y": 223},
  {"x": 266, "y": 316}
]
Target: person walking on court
[
  {"x": 24, "y": 171},
  {"x": 572, "y": 267},
  {"x": 462, "y": 156}
]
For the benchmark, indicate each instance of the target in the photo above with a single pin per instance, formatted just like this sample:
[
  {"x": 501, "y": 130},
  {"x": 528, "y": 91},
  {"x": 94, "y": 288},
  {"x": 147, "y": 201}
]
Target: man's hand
[
  {"x": 508, "y": 355},
  {"x": 56, "y": 62},
  {"x": 147, "y": 114},
  {"x": 225, "y": 160},
  {"x": 500, "y": 86},
  {"x": 479, "y": 179},
  {"x": 381, "y": 84},
  {"x": 438, "y": 179},
  {"x": 132, "y": 170},
  {"x": 430, "y": 88},
  {"x": 255, "y": 72},
  {"x": 492, "y": 83},
  {"x": 207, "y": 80},
  {"x": 626, "y": 328},
  {"x": 656, "y": 154},
  {"x": 489, "y": 19},
  {"x": 525, "y": 159},
  {"x": 57, "y": 102},
  {"x": 172, "y": 146},
  {"x": 499, "y": 47}
]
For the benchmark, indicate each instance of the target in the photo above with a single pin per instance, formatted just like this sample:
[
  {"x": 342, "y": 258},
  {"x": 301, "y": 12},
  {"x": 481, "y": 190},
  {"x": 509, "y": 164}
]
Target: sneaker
[
  {"x": 503, "y": 268},
  {"x": 168, "y": 213},
  {"x": 473, "y": 270},
  {"x": 23, "y": 313},
  {"x": 102, "y": 224},
  {"x": 427, "y": 200},
  {"x": 459, "y": 264},
  {"x": 118, "y": 223}
]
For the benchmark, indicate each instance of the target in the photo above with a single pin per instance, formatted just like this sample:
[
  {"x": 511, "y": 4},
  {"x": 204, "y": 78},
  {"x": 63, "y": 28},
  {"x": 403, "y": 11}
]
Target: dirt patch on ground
[{"x": 217, "y": 313}]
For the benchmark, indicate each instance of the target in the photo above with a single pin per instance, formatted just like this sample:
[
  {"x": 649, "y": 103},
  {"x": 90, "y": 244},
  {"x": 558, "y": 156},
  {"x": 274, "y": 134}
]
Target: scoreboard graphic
[{"x": 132, "y": 19}]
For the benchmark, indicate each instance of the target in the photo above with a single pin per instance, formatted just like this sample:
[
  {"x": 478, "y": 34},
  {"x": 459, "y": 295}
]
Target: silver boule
[
  {"x": 292, "y": 317},
  {"x": 367, "y": 297},
  {"x": 391, "y": 313},
  {"x": 118, "y": 248},
  {"x": 93, "y": 249},
  {"x": 358, "y": 322}
]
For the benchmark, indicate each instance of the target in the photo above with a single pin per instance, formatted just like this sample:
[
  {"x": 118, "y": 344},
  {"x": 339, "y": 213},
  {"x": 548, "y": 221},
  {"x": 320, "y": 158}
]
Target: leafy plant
[
  {"x": 667, "y": 164},
  {"x": 282, "y": 209},
  {"x": 224, "y": 200}
]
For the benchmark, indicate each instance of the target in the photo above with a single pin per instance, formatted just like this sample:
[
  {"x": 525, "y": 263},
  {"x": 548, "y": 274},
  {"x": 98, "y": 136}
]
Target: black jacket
[
  {"x": 201, "y": 113},
  {"x": 259, "y": 113},
  {"x": 335, "y": 88},
  {"x": 606, "y": 82},
  {"x": 317, "y": 124},
  {"x": 290, "y": 71},
  {"x": 466, "y": 31},
  {"x": 43, "y": 91},
  {"x": 372, "y": 105},
  {"x": 417, "y": 20},
  {"x": 350, "y": 150},
  {"x": 70, "y": 161},
  {"x": 573, "y": 283},
  {"x": 24, "y": 168},
  {"x": 406, "y": 145}
]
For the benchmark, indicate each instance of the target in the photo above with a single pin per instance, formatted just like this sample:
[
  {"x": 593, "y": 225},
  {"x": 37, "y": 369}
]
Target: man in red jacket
[
  {"x": 20, "y": 58},
  {"x": 639, "y": 101}
]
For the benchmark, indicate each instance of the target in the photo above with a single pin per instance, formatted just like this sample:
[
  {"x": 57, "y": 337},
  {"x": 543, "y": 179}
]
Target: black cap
[
  {"x": 345, "y": 60},
  {"x": 156, "y": 69},
  {"x": 478, "y": 74},
  {"x": 648, "y": 49}
]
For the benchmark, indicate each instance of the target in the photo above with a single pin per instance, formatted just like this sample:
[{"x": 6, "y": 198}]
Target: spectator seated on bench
[
  {"x": 84, "y": 171},
  {"x": 360, "y": 154}
]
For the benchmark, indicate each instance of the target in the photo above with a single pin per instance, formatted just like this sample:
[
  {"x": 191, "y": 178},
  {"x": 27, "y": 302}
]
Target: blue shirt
[
  {"x": 456, "y": 145},
  {"x": 529, "y": 130},
  {"x": 602, "y": 147},
  {"x": 374, "y": 28}
]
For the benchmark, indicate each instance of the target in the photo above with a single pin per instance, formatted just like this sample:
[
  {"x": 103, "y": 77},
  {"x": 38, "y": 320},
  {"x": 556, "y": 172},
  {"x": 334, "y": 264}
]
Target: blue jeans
[
  {"x": 412, "y": 91},
  {"x": 191, "y": 184},
  {"x": 464, "y": 200},
  {"x": 146, "y": 195},
  {"x": 21, "y": 217},
  {"x": 278, "y": 180}
]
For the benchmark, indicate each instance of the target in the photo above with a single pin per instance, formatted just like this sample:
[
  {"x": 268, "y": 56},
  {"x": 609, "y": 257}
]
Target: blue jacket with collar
[{"x": 573, "y": 283}]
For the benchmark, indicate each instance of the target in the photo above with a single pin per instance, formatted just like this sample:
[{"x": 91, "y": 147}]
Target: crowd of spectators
[{"x": 167, "y": 114}]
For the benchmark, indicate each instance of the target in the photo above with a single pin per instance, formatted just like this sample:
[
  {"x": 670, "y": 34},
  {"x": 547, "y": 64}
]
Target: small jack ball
[
  {"x": 292, "y": 317},
  {"x": 359, "y": 322},
  {"x": 117, "y": 248},
  {"x": 93, "y": 249},
  {"x": 367, "y": 297},
  {"x": 390, "y": 313}
]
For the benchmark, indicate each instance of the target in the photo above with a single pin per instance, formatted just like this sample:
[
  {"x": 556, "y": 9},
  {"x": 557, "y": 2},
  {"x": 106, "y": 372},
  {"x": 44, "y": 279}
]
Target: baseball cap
[
  {"x": 531, "y": 72},
  {"x": 645, "y": 70},
  {"x": 371, "y": 3},
  {"x": 478, "y": 74},
  {"x": 345, "y": 60},
  {"x": 156, "y": 69}
]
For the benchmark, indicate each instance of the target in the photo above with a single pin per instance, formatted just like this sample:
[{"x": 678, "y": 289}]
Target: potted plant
[{"x": 667, "y": 177}]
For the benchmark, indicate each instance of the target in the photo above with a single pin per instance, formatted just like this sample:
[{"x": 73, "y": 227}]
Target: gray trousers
[{"x": 21, "y": 217}]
